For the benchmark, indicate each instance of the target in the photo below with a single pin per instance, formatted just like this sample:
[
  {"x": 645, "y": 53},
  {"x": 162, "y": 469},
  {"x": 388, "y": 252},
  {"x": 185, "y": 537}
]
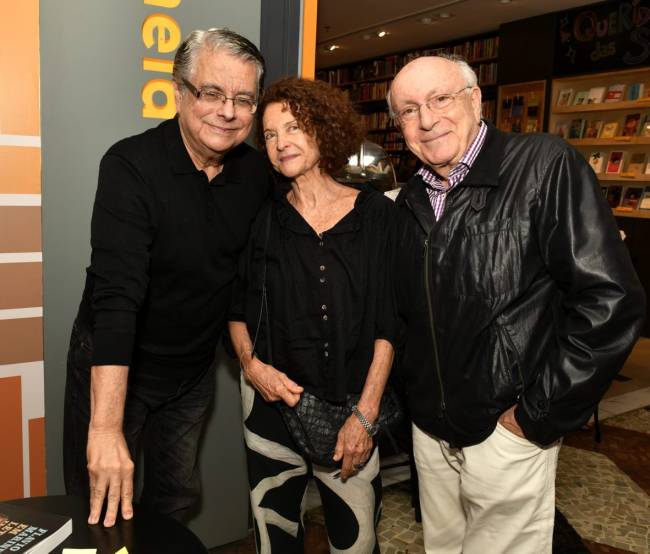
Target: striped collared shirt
[{"x": 435, "y": 185}]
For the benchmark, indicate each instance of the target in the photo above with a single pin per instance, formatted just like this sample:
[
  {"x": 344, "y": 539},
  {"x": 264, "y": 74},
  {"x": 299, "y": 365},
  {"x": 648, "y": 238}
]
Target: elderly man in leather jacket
[{"x": 520, "y": 304}]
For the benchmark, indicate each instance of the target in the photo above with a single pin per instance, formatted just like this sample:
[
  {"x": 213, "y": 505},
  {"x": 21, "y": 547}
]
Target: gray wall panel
[{"x": 91, "y": 78}]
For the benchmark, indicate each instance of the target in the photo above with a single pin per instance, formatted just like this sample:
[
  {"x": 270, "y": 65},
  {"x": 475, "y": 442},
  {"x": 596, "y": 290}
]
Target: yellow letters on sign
[
  {"x": 169, "y": 33},
  {"x": 163, "y": 3},
  {"x": 150, "y": 109}
]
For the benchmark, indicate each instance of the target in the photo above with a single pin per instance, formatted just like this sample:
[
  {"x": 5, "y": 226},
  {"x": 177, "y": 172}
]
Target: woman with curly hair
[{"x": 315, "y": 294}]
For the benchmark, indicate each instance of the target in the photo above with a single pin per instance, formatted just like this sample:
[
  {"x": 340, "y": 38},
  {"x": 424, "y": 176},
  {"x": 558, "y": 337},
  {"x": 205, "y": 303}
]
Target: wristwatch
[{"x": 371, "y": 428}]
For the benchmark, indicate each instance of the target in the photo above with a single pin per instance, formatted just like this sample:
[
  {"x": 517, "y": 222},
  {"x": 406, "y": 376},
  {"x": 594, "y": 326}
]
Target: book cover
[
  {"x": 562, "y": 129},
  {"x": 597, "y": 161},
  {"x": 631, "y": 125},
  {"x": 647, "y": 168},
  {"x": 576, "y": 128},
  {"x": 644, "y": 203},
  {"x": 531, "y": 126},
  {"x": 634, "y": 91},
  {"x": 637, "y": 163},
  {"x": 645, "y": 129},
  {"x": 581, "y": 98},
  {"x": 609, "y": 129},
  {"x": 565, "y": 97},
  {"x": 631, "y": 198},
  {"x": 593, "y": 128},
  {"x": 614, "y": 195},
  {"x": 614, "y": 93},
  {"x": 28, "y": 531},
  {"x": 615, "y": 162},
  {"x": 596, "y": 95}
]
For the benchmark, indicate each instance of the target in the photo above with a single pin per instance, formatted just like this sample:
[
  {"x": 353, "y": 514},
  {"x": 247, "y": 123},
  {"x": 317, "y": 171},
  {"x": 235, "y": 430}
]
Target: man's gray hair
[
  {"x": 465, "y": 69},
  {"x": 215, "y": 39}
]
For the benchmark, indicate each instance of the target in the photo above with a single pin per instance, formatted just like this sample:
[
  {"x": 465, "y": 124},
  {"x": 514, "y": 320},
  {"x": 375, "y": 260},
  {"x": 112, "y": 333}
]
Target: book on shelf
[
  {"x": 637, "y": 163},
  {"x": 644, "y": 203},
  {"x": 562, "y": 129},
  {"x": 596, "y": 95},
  {"x": 615, "y": 161},
  {"x": 609, "y": 129},
  {"x": 614, "y": 195},
  {"x": 634, "y": 91},
  {"x": 564, "y": 97},
  {"x": 631, "y": 198},
  {"x": 28, "y": 531},
  {"x": 581, "y": 98},
  {"x": 645, "y": 128},
  {"x": 593, "y": 128},
  {"x": 614, "y": 93},
  {"x": 631, "y": 125},
  {"x": 531, "y": 126},
  {"x": 597, "y": 161},
  {"x": 647, "y": 168},
  {"x": 576, "y": 129}
]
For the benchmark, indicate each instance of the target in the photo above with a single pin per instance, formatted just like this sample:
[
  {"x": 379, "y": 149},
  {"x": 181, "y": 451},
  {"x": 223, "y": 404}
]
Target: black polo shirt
[{"x": 165, "y": 245}]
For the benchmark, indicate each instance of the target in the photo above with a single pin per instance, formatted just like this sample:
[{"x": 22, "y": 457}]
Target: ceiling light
[
  {"x": 445, "y": 15},
  {"x": 382, "y": 34},
  {"x": 333, "y": 47}
]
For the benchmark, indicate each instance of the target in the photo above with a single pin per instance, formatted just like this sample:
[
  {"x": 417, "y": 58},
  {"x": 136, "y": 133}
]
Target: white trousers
[{"x": 491, "y": 498}]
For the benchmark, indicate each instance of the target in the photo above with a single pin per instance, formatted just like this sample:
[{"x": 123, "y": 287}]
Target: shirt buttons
[
  {"x": 325, "y": 317},
  {"x": 323, "y": 307},
  {"x": 323, "y": 280},
  {"x": 326, "y": 345},
  {"x": 326, "y": 354},
  {"x": 322, "y": 268}
]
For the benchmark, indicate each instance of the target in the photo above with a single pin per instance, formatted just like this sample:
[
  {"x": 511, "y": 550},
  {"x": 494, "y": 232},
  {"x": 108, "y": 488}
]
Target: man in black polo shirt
[{"x": 172, "y": 212}]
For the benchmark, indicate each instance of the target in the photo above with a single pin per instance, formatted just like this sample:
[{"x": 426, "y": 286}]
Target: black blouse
[{"x": 330, "y": 296}]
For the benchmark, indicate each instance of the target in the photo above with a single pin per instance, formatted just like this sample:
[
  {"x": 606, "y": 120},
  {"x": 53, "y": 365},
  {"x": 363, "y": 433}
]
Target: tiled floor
[{"x": 603, "y": 490}]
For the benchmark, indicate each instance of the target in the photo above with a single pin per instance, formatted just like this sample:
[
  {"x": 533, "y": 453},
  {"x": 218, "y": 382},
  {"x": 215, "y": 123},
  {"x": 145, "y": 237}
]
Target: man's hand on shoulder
[
  {"x": 110, "y": 472},
  {"x": 507, "y": 419}
]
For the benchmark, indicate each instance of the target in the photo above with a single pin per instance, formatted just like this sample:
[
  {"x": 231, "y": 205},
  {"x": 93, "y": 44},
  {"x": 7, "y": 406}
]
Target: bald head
[
  {"x": 437, "y": 106},
  {"x": 432, "y": 66}
]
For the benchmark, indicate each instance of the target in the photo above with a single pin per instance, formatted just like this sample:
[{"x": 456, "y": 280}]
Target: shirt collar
[{"x": 181, "y": 162}]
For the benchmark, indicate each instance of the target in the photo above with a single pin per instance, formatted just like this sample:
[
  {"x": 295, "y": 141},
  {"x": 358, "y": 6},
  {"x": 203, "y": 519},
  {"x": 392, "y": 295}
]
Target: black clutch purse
[{"x": 314, "y": 423}]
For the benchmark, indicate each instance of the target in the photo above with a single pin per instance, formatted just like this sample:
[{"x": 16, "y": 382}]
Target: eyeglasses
[
  {"x": 437, "y": 103},
  {"x": 211, "y": 95}
]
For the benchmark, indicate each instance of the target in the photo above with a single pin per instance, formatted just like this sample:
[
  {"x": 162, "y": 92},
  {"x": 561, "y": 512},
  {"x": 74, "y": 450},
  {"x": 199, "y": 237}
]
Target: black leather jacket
[{"x": 527, "y": 287}]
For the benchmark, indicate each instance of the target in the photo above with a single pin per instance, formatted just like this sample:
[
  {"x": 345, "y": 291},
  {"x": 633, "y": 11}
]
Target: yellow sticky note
[{"x": 122, "y": 550}]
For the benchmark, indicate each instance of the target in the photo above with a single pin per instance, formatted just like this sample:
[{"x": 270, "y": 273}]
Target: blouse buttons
[
  {"x": 325, "y": 317},
  {"x": 322, "y": 279},
  {"x": 322, "y": 268},
  {"x": 323, "y": 307}
]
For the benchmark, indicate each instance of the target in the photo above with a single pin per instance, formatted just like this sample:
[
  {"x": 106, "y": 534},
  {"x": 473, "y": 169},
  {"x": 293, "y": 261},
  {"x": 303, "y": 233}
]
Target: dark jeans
[{"x": 164, "y": 421}]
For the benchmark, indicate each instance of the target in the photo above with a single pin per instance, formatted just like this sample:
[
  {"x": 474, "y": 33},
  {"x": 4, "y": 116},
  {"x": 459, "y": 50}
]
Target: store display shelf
[
  {"x": 623, "y": 178},
  {"x": 639, "y": 214},
  {"x": 616, "y": 141},
  {"x": 643, "y": 104}
]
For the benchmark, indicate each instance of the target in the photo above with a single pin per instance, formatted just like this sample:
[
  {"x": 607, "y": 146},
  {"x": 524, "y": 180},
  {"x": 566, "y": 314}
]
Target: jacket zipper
[
  {"x": 505, "y": 333},
  {"x": 432, "y": 327}
]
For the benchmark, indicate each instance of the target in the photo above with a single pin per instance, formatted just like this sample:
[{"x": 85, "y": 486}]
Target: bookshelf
[
  {"x": 613, "y": 132},
  {"x": 520, "y": 107},
  {"x": 367, "y": 84}
]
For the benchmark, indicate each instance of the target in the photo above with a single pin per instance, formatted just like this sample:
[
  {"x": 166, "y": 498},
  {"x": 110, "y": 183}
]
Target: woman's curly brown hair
[{"x": 323, "y": 112}]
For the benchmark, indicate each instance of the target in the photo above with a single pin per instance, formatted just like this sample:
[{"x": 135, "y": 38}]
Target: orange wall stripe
[
  {"x": 21, "y": 285},
  {"x": 11, "y": 437},
  {"x": 37, "y": 457},
  {"x": 20, "y": 229},
  {"x": 19, "y": 69},
  {"x": 20, "y": 170},
  {"x": 309, "y": 16},
  {"x": 22, "y": 341}
]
